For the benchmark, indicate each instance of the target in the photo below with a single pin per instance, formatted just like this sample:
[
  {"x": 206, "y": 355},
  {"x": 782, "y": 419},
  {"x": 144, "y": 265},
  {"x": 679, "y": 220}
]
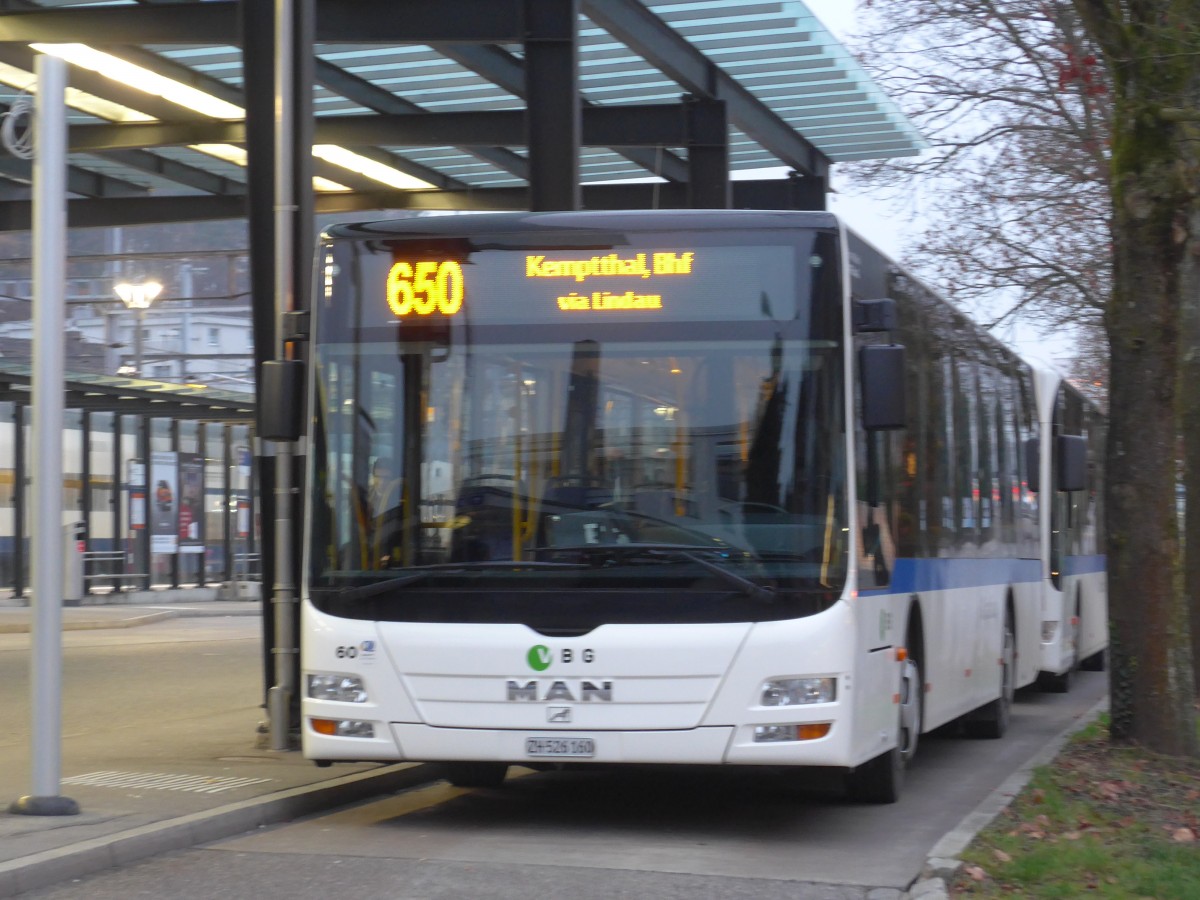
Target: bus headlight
[
  {"x": 798, "y": 691},
  {"x": 346, "y": 688}
]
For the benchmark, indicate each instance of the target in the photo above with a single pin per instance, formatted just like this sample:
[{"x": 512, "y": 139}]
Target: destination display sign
[{"x": 701, "y": 282}]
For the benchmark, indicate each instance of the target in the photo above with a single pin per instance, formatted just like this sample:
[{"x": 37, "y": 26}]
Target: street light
[{"x": 138, "y": 297}]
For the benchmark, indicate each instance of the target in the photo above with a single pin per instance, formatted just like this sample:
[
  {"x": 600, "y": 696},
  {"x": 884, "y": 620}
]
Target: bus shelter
[{"x": 159, "y": 483}]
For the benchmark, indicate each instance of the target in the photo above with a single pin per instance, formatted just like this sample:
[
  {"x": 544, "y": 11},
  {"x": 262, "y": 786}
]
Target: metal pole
[
  {"x": 283, "y": 595},
  {"x": 49, "y": 290},
  {"x": 139, "y": 321}
]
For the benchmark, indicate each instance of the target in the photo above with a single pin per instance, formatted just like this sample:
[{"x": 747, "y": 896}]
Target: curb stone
[
  {"x": 929, "y": 889},
  {"x": 939, "y": 867}
]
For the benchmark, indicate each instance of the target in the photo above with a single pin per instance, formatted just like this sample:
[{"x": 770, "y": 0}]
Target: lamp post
[{"x": 138, "y": 297}]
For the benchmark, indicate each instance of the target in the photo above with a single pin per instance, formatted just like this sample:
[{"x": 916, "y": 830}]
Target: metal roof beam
[
  {"x": 175, "y": 171},
  {"x": 748, "y": 194},
  {"x": 642, "y": 31},
  {"x": 364, "y": 21},
  {"x": 648, "y": 125},
  {"x": 506, "y": 71},
  {"x": 80, "y": 181},
  {"x": 364, "y": 93}
]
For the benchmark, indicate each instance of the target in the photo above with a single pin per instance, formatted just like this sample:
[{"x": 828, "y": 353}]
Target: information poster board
[
  {"x": 164, "y": 502},
  {"x": 191, "y": 503}
]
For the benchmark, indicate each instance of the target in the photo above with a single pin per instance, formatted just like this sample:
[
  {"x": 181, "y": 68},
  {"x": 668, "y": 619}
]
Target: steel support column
[
  {"x": 20, "y": 502},
  {"x": 708, "y": 153},
  {"x": 174, "y": 433},
  {"x": 552, "y": 98},
  {"x": 85, "y": 489},
  {"x": 118, "y": 515},
  {"x": 258, "y": 71},
  {"x": 143, "y": 554}
]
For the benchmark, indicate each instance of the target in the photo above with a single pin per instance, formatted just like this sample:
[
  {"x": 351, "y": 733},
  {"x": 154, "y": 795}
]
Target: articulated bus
[{"x": 674, "y": 487}]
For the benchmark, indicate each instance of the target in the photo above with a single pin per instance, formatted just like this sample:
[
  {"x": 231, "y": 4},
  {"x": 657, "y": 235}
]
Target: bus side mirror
[
  {"x": 881, "y": 372},
  {"x": 281, "y": 406},
  {"x": 874, "y": 315},
  {"x": 1033, "y": 465},
  {"x": 1072, "y": 462}
]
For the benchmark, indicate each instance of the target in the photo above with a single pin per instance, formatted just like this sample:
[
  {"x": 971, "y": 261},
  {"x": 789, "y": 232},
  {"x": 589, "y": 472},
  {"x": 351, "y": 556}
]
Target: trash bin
[{"x": 72, "y": 564}]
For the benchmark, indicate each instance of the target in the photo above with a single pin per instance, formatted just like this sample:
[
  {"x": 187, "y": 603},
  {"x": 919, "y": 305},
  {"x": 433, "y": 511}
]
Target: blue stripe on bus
[
  {"x": 1084, "y": 565},
  {"x": 911, "y": 576}
]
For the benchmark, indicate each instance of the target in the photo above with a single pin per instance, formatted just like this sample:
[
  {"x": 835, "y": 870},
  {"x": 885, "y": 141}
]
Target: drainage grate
[{"x": 196, "y": 784}]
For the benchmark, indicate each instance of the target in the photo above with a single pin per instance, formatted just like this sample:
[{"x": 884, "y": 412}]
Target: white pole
[{"x": 49, "y": 303}]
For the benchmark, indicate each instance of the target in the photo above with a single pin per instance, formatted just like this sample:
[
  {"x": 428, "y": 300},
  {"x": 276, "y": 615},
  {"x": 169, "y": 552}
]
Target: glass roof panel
[{"x": 777, "y": 50}]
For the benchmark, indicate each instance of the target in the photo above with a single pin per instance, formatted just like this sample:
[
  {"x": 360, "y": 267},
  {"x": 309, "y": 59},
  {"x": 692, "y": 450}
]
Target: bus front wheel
[{"x": 879, "y": 780}]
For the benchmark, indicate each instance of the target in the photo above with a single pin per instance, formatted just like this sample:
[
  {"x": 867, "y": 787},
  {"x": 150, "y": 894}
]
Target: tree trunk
[
  {"x": 1189, "y": 426},
  {"x": 1150, "y": 50}
]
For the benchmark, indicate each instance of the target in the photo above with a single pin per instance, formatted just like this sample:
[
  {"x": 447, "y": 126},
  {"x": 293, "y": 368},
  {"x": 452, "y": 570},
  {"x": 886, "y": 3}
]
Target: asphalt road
[{"x": 578, "y": 834}]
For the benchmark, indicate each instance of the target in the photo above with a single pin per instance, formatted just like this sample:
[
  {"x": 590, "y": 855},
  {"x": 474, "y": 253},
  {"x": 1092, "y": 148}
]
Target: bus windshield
[{"x": 605, "y": 428}]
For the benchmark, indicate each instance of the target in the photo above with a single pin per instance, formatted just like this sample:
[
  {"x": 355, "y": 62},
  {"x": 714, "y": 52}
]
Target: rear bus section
[{"x": 1075, "y": 591}]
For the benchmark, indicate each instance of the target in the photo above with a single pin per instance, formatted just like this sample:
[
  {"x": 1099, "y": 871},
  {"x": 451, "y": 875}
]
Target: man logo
[
  {"x": 558, "y": 714},
  {"x": 559, "y": 690}
]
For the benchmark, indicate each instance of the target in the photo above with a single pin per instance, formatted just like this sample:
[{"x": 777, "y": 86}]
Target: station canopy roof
[
  {"x": 155, "y": 115},
  {"x": 133, "y": 396}
]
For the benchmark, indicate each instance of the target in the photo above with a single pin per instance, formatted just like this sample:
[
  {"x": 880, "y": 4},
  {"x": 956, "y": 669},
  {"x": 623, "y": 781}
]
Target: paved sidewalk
[{"x": 234, "y": 787}]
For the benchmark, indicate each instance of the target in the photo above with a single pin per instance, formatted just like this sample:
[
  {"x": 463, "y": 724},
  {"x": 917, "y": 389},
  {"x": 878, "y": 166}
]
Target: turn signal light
[
  {"x": 343, "y": 727},
  {"x": 773, "y": 734}
]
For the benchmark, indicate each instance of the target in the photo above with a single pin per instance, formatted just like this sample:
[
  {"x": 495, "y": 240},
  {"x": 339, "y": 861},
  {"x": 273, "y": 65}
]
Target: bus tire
[
  {"x": 475, "y": 774},
  {"x": 879, "y": 780},
  {"x": 1049, "y": 683},
  {"x": 991, "y": 720}
]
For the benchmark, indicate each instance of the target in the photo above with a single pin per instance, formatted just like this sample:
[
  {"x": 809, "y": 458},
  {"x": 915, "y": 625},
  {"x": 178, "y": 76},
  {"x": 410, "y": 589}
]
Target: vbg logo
[{"x": 539, "y": 657}]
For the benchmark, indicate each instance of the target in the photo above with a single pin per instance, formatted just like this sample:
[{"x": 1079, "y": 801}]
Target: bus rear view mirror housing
[
  {"x": 1033, "y": 463},
  {"x": 281, "y": 393},
  {"x": 1072, "y": 462},
  {"x": 881, "y": 369},
  {"x": 1071, "y": 458}
]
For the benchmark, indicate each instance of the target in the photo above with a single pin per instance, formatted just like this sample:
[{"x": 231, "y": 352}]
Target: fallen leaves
[
  {"x": 1111, "y": 790},
  {"x": 975, "y": 873},
  {"x": 1088, "y": 827}
]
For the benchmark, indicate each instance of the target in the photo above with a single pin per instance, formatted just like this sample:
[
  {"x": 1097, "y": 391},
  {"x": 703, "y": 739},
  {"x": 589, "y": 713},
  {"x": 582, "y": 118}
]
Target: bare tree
[
  {"x": 1016, "y": 184},
  {"x": 1152, "y": 52},
  {"x": 1066, "y": 168}
]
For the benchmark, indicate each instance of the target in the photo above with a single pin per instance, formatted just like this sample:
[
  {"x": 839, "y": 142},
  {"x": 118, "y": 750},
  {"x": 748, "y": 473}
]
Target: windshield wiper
[
  {"x": 689, "y": 552},
  {"x": 748, "y": 588},
  {"x": 420, "y": 573}
]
